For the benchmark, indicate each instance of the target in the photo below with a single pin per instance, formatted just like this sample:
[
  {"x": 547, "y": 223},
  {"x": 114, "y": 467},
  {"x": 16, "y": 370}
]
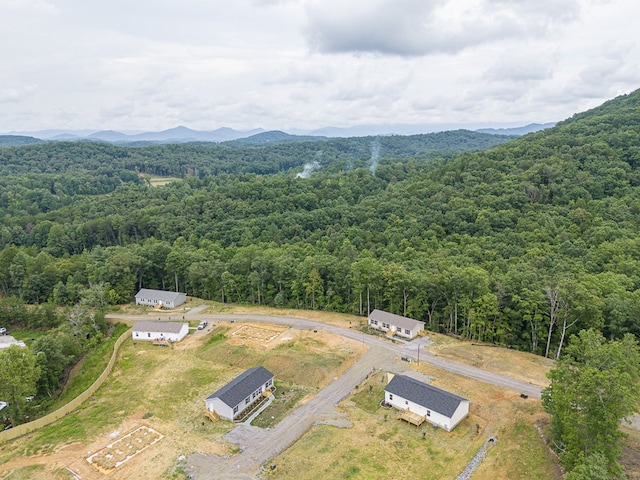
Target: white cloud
[{"x": 310, "y": 63}]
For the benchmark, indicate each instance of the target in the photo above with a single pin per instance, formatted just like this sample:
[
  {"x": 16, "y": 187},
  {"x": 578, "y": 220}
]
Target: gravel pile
[{"x": 476, "y": 460}]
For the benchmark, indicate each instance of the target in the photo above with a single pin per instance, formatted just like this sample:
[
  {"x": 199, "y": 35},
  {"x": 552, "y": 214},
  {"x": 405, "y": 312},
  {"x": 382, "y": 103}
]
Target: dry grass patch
[
  {"x": 339, "y": 319},
  {"x": 379, "y": 446},
  {"x": 165, "y": 389},
  {"x": 523, "y": 366}
]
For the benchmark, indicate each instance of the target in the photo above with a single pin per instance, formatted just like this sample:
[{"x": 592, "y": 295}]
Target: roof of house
[
  {"x": 423, "y": 394},
  {"x": 158, "y": 295},
  {"x": 158, "y": 327},
  {"x": 393, "y": 319},
  {"x": 242, "y": 386}
]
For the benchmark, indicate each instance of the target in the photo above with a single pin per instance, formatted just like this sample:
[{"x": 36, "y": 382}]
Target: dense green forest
[{"x": 519, "y": 244}]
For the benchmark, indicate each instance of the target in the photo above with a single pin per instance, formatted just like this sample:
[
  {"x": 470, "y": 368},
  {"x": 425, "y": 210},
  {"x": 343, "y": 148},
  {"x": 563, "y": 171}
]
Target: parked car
[
  {"x": 202, "y": 325},
  {"x": 3, "y": 331}
]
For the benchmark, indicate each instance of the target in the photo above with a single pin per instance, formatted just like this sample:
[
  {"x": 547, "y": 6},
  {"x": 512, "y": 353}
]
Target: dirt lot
[
  {"x": 377, "y": 444},
  {"x": 163, "y": 389},
  {"x": 523, "y": 366}
]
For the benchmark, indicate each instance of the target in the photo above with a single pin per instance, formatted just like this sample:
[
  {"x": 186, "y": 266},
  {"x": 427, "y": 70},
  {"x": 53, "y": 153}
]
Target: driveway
[{"x": 259, "y": 445}]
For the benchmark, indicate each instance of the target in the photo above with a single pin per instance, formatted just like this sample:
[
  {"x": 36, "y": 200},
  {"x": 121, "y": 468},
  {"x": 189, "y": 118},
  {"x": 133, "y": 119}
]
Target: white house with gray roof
[
  {"x": 153, "y": 298},
  {"x": 438, "y": 407},
  {"x": 395, "y": 324},
  {"x": 150, "y": 331},
  {"x": 240, "y": 393}
]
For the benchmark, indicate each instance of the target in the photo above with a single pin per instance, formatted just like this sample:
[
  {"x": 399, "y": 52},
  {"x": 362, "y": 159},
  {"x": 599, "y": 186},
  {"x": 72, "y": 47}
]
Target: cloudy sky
[{"x": 305, "y": 64}]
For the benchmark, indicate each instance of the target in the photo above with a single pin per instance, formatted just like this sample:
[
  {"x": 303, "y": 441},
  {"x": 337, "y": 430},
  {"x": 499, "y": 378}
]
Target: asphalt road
[{"x": 259, "y": 445}]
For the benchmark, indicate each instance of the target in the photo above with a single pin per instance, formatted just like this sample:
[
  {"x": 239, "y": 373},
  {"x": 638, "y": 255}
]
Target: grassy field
[
  {"x": 158, "y": 181},
  {"x": 165, "y": 389},
  {"x": 380, "y": 446}
]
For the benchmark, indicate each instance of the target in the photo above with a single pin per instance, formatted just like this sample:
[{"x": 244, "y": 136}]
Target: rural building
[
  {"x": 240, "y": 393},
  {"x": 425, "y": 401},
  {"x": 395, "y": 324},
  {"x": 160, "y": 298},
  {"x": 154, "y": 331},
  {"x": 7, "y": 340}
]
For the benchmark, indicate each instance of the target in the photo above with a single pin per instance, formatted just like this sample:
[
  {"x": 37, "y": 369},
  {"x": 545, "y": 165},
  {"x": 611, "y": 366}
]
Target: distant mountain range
[
  {"x": 532, "y": 127},
  {"x": 256, "y": 136}
]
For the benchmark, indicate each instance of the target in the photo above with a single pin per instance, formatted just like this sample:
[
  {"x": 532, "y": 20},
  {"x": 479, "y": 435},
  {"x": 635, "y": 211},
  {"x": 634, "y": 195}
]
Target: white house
[
  {"x": 7, "y": 340},
  {"x": 150, "y": 331},
  {"x": 154, "y": 298},
  {"x": 437, "y": 406},
  {"x": 240, "y": 393},
  {"x": 395, "y": 324}
]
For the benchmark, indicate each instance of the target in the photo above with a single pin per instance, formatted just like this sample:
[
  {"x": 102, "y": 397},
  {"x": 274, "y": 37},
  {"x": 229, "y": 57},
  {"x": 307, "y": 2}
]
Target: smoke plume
[{"x": 375, "y": 153}]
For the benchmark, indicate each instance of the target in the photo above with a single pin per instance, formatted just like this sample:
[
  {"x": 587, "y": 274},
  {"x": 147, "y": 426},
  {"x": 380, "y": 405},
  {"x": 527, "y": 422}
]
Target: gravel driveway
[{"x": 259, "y": 445}]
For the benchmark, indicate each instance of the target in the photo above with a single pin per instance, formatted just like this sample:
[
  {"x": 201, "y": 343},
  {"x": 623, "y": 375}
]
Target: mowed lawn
[
  {"x": 165, "y": 388},
  {"x": 380, "y": 446}
]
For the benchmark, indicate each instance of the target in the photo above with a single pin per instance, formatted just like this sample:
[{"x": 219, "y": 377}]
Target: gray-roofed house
[
  {"x": 395, "y": 324},
  {"x": 154, "y": 298},
  {"x": 153, "y": 331},
  {"x": 240, "y": 393},
  {"x": 437, "y": 406}
]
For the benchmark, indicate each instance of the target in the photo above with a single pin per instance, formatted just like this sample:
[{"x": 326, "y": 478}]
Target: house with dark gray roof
[
  {"x": 159, "y": 331},
  {"x": 240, "y": 393},
  {"x": 437, "y": 406},
  {"x": 160, "y": 298},
  {"x": 394, "y": 324}
]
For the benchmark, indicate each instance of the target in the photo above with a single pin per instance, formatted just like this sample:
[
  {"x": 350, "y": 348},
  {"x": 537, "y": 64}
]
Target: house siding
[
  {"x": 159, "y": 297},
  {"x": 231, "y": 412},
  {"x": 431, "y": 416},
  {"x": 404, "y": 327},
  {"x": 151, "y": 335}
]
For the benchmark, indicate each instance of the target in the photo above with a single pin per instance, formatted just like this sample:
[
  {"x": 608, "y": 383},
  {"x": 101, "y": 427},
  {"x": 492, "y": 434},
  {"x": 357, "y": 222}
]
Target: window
[
  {"x": 374, "y": 322},
  {"x": 235, "y": 409},
  {"x": 149, "y": 335},
  {"x": 247, "y": 400},
  {"x": 428, "y": 413},
  {"x": 407, "y": 331},
  {"x": 391, "y": 396},
  {"x": 385, "y": 325},
  {"x": 406, "y": 402}
]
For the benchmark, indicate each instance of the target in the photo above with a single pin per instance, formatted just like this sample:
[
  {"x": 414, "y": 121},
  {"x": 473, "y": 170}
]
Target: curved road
[{"x": 258, "y": 445}]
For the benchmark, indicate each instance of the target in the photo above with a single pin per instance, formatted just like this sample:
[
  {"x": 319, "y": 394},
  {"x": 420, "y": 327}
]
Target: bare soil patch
[
  {"x": 163, "y": 390},
  {"x": 523, "y": 366},
  {"x": 124, "y": 449},
  {"x": 378, "y": 445}
]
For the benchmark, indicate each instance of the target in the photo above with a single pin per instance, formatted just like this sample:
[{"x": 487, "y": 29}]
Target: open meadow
[
  {"x": 164, "y": 389},
  {"x": 160, "y": 392}
]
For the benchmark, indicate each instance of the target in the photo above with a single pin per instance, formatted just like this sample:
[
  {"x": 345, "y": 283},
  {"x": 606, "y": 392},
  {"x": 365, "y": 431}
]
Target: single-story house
[
  {"x": 240, "y": 393},
  {"x": 150, "y": 331},
  {"x": 154, "y": 298},
  {"x": 437, "y": 406},
  {"x": 7, "y": 340},
  {"x": 395, "y": 324}
]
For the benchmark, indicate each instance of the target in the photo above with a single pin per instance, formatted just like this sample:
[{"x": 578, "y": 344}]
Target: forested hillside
[{"x": 518, "y": 245}]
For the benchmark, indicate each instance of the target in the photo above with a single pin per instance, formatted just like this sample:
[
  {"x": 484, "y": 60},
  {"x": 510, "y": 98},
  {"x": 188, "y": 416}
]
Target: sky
[{"x": 150, "y": 65}]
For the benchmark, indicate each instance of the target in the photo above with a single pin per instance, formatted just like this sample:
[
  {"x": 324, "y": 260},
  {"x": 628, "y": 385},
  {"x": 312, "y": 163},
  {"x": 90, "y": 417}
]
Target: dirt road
[{"x": 260, "y": 445}]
